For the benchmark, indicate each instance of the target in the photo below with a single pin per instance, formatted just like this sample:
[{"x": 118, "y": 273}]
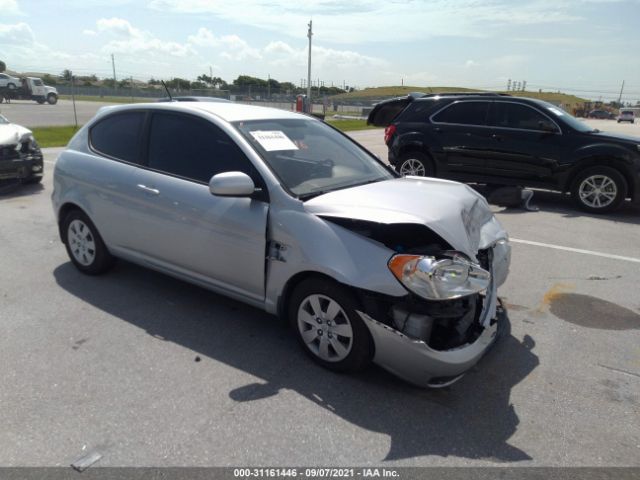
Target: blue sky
[{"x": 587, "y": 47}]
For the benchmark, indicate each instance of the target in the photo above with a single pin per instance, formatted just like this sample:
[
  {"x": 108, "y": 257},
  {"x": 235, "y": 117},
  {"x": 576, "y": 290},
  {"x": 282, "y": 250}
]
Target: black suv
[{"x": 504, "y": 140}]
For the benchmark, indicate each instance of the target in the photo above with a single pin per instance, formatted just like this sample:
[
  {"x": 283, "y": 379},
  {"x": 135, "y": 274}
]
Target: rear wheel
[
  {"x": 84, "y": 244},
  {"x": 416, "y": 164},
  {"x": 323, "y": 315},
  {"x": 11, "y": 86},
  {"x": 599, "y": 189}
]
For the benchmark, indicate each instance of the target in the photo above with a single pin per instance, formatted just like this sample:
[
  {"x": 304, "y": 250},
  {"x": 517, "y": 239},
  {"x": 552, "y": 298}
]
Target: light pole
[{"x": 309, "y": 34}]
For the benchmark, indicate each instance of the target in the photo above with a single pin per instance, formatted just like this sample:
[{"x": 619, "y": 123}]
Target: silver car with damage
[{"x": 284, "y": 212}]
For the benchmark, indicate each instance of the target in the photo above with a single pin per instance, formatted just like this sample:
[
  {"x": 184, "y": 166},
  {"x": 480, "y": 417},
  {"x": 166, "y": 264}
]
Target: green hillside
[{"x": 369, "y": 95}]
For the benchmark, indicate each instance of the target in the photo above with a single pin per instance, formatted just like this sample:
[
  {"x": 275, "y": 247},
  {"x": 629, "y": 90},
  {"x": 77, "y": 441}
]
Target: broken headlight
[{"x": 439, "y": 279}]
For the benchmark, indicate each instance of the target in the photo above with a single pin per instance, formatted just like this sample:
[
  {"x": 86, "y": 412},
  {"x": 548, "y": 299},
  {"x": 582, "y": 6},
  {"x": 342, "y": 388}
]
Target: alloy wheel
[
  {"x": 81, "y": 242},
  {"x": 325, "y": 328},
  {"x": 413, "y": 167},
  {"x": 598, "y": 191}
]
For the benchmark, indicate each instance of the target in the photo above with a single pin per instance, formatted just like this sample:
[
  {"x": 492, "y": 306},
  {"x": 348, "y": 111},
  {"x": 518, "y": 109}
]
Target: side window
[
  {"x": 3, "y": 76},
  {"x": 513, "y": 115},
  {"x": 118, "y": 136},
  {"x": 465, "y": 113},
  {"x": 195, "y": 149}
]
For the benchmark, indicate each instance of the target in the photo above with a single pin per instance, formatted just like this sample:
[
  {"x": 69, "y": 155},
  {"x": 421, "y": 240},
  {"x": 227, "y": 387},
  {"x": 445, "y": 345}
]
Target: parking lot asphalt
[{"x": 151, "y": 371}]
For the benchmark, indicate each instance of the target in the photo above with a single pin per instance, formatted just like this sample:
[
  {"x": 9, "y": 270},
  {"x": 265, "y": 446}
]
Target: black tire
[
  {"x": 415, "y": 163},
  {"x": 610, "y": 198},
  {"x": 95, "y": 249},
  {"x": 11, "y": 86},
  {"x": 52, "y": 99},
  {"x": 41, "y": 101},
  {"x": 355, "y": 352}
]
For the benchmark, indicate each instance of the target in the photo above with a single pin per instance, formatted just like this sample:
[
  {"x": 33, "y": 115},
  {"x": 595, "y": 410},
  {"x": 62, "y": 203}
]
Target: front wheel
[
  {"x": 11, "y": 86},
  {"x": 599, "y": 189},
  {"x": 323, "y": 315},
  {"x": 84, "y": 244},
  {"x": 52, "y": 98},
  {"x": 415, "y": 164}
]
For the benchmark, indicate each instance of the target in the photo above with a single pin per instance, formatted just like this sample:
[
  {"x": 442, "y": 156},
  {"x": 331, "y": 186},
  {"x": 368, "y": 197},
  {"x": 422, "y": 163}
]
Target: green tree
[
  {"x": 3, "y": 66},
  {"x": 66, "y": 75}
]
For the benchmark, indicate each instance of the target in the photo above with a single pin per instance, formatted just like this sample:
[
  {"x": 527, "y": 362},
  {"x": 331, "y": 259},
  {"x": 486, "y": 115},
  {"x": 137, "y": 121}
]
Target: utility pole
[
  {"x": 268, "y": 86},
  {"x": 309, "y": 34},
  {"x": 113, "y": 64},
  {"x": 620, "y": 96}
]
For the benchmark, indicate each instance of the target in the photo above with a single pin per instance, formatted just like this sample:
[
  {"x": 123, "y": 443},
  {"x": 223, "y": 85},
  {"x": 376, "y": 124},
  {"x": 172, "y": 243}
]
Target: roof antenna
[{"x": 168, "y": 92}]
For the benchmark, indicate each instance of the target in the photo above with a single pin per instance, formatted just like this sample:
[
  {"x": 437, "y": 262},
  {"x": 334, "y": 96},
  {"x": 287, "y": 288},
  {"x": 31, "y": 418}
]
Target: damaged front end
[
  {"x": 451, "y": 314},
  {"x": 20, "y": 159}
]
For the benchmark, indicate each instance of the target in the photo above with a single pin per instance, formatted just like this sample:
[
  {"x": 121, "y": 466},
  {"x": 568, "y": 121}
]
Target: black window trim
[
  {"x": 261, "y": 192},
  {"x": 140, "y": 145},
  {"x": 491, "y": 103}
]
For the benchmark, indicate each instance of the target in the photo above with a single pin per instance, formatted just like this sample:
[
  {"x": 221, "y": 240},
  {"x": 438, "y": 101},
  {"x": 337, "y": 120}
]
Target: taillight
[{"x": 388, "y": 133}]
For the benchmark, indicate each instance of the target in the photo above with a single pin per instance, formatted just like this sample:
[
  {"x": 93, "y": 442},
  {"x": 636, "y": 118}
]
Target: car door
[
  {"x": 180, "y": 226},
  {"x": 460, "y": 130},
  {"x": 525, "y": 144},
  {"x": 104, "y": 182}
]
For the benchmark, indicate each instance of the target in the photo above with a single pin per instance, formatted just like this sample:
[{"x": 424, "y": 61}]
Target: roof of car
[{"x": 228, "y": 111}]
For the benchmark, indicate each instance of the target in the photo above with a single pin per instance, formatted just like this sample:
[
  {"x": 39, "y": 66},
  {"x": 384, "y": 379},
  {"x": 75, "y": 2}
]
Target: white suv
[{"x": 626, "y": 116}]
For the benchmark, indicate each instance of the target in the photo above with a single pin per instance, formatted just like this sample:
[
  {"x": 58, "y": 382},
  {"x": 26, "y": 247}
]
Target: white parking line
[{"x": 576, "y": 250}]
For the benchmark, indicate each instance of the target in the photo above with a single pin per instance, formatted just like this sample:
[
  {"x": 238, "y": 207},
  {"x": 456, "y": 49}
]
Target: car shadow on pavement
[
  {"x": 472, "y": 419},
  {"x": 556, "y": 202},
  {"x": 13, "y": 190}
]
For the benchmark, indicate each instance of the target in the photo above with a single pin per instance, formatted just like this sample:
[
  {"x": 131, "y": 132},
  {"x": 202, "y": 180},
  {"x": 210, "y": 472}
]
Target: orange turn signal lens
[{"x": 398, "y": 263}]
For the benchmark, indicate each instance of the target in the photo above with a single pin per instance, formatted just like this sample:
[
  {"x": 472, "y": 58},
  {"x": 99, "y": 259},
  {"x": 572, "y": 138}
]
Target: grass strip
[{"x": 54, "y": 136}]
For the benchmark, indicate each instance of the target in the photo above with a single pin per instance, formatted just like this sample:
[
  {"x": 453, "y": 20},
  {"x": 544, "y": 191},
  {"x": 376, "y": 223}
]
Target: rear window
[
  {"x": 627, "y": 112},
  {"x": 464, "y": 113},
  {"x": 118, "y": 136}
]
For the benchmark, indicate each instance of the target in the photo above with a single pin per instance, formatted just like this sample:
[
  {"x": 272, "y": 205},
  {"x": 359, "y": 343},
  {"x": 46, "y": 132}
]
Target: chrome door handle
[{"x": 144, "y": 188}]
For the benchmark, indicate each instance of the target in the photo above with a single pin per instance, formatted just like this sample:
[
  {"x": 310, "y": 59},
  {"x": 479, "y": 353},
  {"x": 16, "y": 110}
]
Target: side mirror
[
  {"x": 547, "y": 126},
  {"x": 231, "y": 184}
]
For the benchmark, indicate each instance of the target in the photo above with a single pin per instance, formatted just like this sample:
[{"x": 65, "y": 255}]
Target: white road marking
[{"x": 576, "y": 250}]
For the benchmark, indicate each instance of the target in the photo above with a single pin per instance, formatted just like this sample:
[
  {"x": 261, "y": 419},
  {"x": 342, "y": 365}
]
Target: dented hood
[
  {"x": 10, "y": 134},
  {"x": 453, "y": 210}
]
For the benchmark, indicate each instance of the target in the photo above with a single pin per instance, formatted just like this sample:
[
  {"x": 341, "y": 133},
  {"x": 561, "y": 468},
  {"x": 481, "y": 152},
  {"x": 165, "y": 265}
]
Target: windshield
[
  {"x": 569, "y": 119},
  {"x": 309, "y": 157},
  {"x": 3, "y": 120}
]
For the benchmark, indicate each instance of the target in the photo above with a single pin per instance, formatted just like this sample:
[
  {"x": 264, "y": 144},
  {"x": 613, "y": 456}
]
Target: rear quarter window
[{"x": 118, "y": 136}]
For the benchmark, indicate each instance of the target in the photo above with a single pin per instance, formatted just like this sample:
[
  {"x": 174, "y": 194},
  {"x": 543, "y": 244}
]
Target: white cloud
[
  {"x": 19, "y": 33},
  {"x": 9, "y": 7},
  {"x": 470, "y": 64},
  {"x": 130, "y": 40},
  {"x": 119, "y": 27},
  {"x": 360, "y": 21},
  {"x": 90, "y": 33}
]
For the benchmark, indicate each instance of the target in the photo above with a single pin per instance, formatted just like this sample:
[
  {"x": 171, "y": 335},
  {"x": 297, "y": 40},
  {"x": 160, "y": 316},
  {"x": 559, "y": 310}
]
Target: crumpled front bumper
[
  {"x": 414, "y": 361},
  {"x": 21, "y": 167}
]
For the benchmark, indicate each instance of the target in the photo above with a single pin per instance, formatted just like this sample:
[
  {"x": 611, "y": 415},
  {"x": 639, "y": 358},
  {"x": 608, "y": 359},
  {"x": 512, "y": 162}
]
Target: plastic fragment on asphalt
[{"x": 86, "y": 461}]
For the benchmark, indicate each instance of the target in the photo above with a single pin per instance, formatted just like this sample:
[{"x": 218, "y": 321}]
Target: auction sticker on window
[{"x": 273, "y": 140}]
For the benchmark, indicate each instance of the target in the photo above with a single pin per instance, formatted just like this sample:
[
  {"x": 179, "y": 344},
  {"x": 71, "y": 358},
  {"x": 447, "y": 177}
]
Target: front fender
[{"x": 311, "y": 244}]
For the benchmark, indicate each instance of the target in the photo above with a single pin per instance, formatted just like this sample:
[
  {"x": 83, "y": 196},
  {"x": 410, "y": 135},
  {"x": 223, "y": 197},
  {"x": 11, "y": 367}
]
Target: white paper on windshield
[{"x": 273, "y": 140}]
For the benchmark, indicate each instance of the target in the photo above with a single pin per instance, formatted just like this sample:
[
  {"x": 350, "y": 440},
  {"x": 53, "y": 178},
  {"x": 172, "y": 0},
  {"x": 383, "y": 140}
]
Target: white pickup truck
[{"x": 30, "y": 88}]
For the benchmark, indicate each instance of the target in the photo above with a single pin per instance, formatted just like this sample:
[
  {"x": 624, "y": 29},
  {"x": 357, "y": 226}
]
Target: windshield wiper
[{"x": 316, "y": 193}]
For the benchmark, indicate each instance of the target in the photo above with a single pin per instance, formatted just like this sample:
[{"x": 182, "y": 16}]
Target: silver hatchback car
[{"x": 284, "y": 212}]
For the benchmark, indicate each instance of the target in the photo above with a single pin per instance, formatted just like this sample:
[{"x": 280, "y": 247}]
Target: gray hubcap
[
  {"x": 413, "y": 167},
  {"x": 598, "y": 191},
  {"x": 325, "y": 328},
  {"x": 81, "y": 243}
]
